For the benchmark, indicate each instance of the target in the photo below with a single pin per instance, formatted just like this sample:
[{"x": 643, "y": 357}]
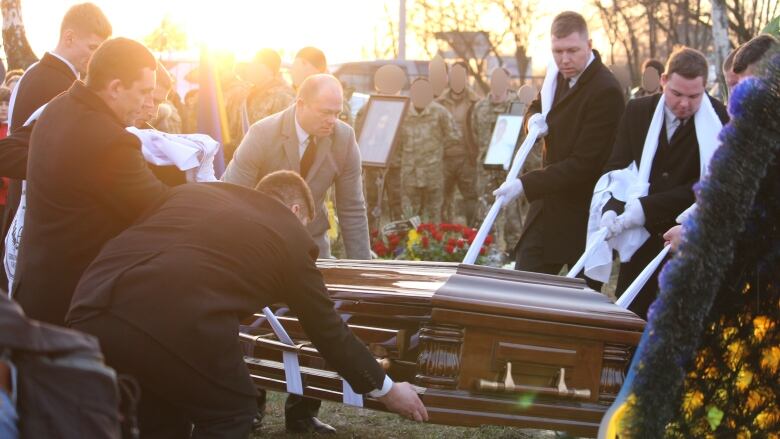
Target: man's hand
[
  {"x": 634, "y": 215},
  {"x": 609, "y": 222},
  {"x": 403, "y": 400},
  {"x": 673, "y": 237},
  {"x": 510, "y": 190},
  {"x": 537, "y": 121}
]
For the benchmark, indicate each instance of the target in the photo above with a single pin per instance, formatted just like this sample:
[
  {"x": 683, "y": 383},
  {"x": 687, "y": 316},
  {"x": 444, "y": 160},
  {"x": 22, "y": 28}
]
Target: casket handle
[{"x": 509, "y": 386}]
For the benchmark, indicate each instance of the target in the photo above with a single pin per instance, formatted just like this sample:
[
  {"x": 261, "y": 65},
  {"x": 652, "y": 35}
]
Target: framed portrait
[
  {"x": 379, "y": 131},
  {"x": 502, "y": 144}
]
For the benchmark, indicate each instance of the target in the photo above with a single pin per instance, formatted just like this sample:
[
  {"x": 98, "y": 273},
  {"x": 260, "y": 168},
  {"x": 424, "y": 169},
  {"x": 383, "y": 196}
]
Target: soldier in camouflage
[
  {"x": 509, "y": 224},
  {"x": 426, "y": 132},
  {"x": 311, "y": 61},
  {"x": 263, "y": 93},
  {"x": 460, "y": 159}
]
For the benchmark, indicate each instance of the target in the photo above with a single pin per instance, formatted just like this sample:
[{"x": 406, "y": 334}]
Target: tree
[
  {"x": 462, "y": 27},
  {"x": 17, "y": 49},
  {"x": 720, "y": 38},
  {"x": 167, "y": 37}
]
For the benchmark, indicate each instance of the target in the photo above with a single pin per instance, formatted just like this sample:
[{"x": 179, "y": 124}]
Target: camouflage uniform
[
  {"x": 509, "y": 223},
  {"x": 459, "y": 159},
  {"x": 392, "y": 188},
  {"x": 424, "y": 138},
  {"x": 258, "y": 103}
]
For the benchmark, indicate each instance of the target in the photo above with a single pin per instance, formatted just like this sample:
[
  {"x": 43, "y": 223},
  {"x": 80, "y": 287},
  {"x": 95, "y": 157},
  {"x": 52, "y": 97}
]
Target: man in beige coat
[{"x": 309, "y": 138}]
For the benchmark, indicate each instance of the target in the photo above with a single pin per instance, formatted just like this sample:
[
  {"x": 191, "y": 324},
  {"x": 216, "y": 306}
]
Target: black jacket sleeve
[
  {"x": 308, "y": 299},
  {"x": 591, "y": 147},
  {"x": 13, "y": 153}
]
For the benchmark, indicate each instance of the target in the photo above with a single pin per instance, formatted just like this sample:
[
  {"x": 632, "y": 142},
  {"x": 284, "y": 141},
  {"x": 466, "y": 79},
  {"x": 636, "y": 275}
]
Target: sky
[{"x": 344, "y": 29}]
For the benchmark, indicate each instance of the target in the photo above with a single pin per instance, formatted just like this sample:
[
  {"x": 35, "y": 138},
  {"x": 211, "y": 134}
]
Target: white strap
[
  {"x": 487, "y": 224},
  {"x": 632, "y": 291}
]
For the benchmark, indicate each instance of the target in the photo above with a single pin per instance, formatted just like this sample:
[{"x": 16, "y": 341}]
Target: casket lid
[{"x": 488, "y": 290}]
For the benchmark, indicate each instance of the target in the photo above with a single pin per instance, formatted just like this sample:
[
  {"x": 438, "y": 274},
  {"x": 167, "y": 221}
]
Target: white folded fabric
[
  {"x": 192, "y": 153},
  {"x": 632, "y": 183}
]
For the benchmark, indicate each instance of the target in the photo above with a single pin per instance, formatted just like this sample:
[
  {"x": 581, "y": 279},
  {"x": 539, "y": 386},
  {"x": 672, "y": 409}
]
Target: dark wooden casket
[{"x": 455, "y": 330}]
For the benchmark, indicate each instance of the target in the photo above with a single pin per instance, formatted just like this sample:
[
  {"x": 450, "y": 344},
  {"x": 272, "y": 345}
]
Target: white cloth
[
  {"x": 551, "y": 82},
  {"x": 192, "y": 153},
  {"x": 632, "y": 183}
]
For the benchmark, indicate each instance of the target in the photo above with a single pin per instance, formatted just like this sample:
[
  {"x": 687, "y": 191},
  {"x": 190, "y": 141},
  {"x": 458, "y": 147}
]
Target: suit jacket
[
  {"x": 582, "y": 125},
  {"x": 40, "y": 83},
  {"x": 207, "y": 257},
  {"x": 86, "y": 182},
  {"x": 271, "y": 144},
  {"x": 675, "y": 166}
]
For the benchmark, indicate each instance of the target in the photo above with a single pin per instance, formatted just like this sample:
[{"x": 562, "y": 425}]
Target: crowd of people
[{"x": 109, "y": 232}]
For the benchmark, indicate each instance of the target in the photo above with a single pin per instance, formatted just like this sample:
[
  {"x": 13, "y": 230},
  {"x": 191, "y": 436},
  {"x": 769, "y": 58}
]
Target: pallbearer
[
  {"x": 663, "y": 145},
  {"x": 579, "y": 107}
]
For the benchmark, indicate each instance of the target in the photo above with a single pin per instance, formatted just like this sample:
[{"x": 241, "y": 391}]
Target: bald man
[{"x": 309, "y": 138}]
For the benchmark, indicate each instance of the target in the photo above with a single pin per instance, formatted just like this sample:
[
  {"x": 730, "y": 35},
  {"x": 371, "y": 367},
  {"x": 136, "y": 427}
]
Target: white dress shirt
[
  {"x": 303, "y": 138},
  {"x": 672, "y": 123}
]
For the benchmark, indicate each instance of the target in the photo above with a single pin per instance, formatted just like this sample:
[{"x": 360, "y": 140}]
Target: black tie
[
  {"x": 308, "y": 156},
  {"x": 561, "y": 90}
]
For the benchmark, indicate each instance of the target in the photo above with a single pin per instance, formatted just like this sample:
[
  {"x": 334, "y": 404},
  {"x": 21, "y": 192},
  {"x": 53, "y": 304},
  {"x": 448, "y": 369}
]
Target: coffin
[{"x": 455, "y": 330}]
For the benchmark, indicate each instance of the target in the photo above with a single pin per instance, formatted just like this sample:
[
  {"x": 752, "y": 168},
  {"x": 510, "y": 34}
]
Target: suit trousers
[
  {"x": 631, "y": 269},
  {"x": 529, "y": 256},
  {"x": 176, "y": 401}
]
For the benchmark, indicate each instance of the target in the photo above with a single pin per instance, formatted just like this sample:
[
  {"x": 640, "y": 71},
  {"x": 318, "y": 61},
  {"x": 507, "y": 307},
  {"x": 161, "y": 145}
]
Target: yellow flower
[
  {"x": 743, "y": 434},
  {"x": 770, "y": 359},
  {"x": 412, "y": 238},
  {"x": 761, "y": 326},
  {"x": 729, "y": 332},
  {"x": 692, "y": 401},
  {"x": 744, "y": 378},
  {"x": 768, "y": 419},
  {"x": 755, "y": 399},
  {"x": 735, "y": 354}
]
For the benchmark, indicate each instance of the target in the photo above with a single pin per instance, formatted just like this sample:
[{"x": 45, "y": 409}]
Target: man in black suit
[
  {"x": 86, "y": 177},
  {"x": 83, "y": 28},
  {"x": 167, "y": 295},
  {"x": 580, "y": 127},
  {"x": 676, "y": 165}
]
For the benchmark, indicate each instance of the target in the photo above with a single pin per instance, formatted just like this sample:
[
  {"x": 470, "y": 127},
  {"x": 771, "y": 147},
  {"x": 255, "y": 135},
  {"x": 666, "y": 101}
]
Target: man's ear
[
  {"x": 68, "y": 35},
  {"x": 296, "y": 209},
  {"x": 114, "y": 87},
  {"x": 664, "y": 79},
  {"x": 590, "y": 44}
]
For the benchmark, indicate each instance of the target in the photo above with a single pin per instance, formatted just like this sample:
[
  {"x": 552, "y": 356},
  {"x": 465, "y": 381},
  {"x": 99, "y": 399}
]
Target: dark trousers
[
  {"x": 529, "y": 256},
  {"x": 176, "y": 400},
  {"x": 461, "y": 172},
  {"x": 631, "y": 269}
]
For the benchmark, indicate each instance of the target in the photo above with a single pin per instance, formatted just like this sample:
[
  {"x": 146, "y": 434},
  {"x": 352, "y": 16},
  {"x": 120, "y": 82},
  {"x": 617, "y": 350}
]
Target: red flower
[
  {"x": 489, "y": 240},
  {"x": 438, "y": 236},
  {"x": 460, "y": 243},
  {"x": 452, "y": 242},
  {"x": 425, "y": 242},
  {"x": 449, "y": 248},
  {"x": 374, "y": 233},
  {"x": 483, "y": 251},
  {"x": 394, "y": 240},
  {"x": 380, "y": 249}
]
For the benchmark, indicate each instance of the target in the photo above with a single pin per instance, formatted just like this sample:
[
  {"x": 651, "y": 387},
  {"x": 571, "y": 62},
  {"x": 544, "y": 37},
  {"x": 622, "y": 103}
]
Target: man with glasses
[{"x": 309, "y": 138}]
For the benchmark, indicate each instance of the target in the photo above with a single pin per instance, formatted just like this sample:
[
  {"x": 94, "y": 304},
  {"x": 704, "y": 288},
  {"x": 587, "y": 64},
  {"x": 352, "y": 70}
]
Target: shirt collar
[
  {"x": 303, "y": 136},
  {"x": 67, "y": 63},
  {"x": 573, "y": 80}
]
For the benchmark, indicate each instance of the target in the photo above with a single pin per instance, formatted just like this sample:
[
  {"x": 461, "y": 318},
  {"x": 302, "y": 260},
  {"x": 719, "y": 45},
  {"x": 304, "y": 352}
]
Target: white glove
[
  {"x": 609, "y": 222},
  {"x": 633, "y": 216},
  {"x": 537, "y": 121},
  {"x": 510, "y": 190}
]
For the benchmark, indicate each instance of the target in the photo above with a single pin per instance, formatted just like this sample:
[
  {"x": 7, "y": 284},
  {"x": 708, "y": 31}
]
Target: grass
[{"x": 351, "y": 422}]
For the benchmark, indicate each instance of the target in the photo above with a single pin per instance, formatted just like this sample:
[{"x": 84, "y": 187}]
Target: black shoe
[
  {"x": 309, "y": 425},
  {"x": 257, "y": 422}
]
